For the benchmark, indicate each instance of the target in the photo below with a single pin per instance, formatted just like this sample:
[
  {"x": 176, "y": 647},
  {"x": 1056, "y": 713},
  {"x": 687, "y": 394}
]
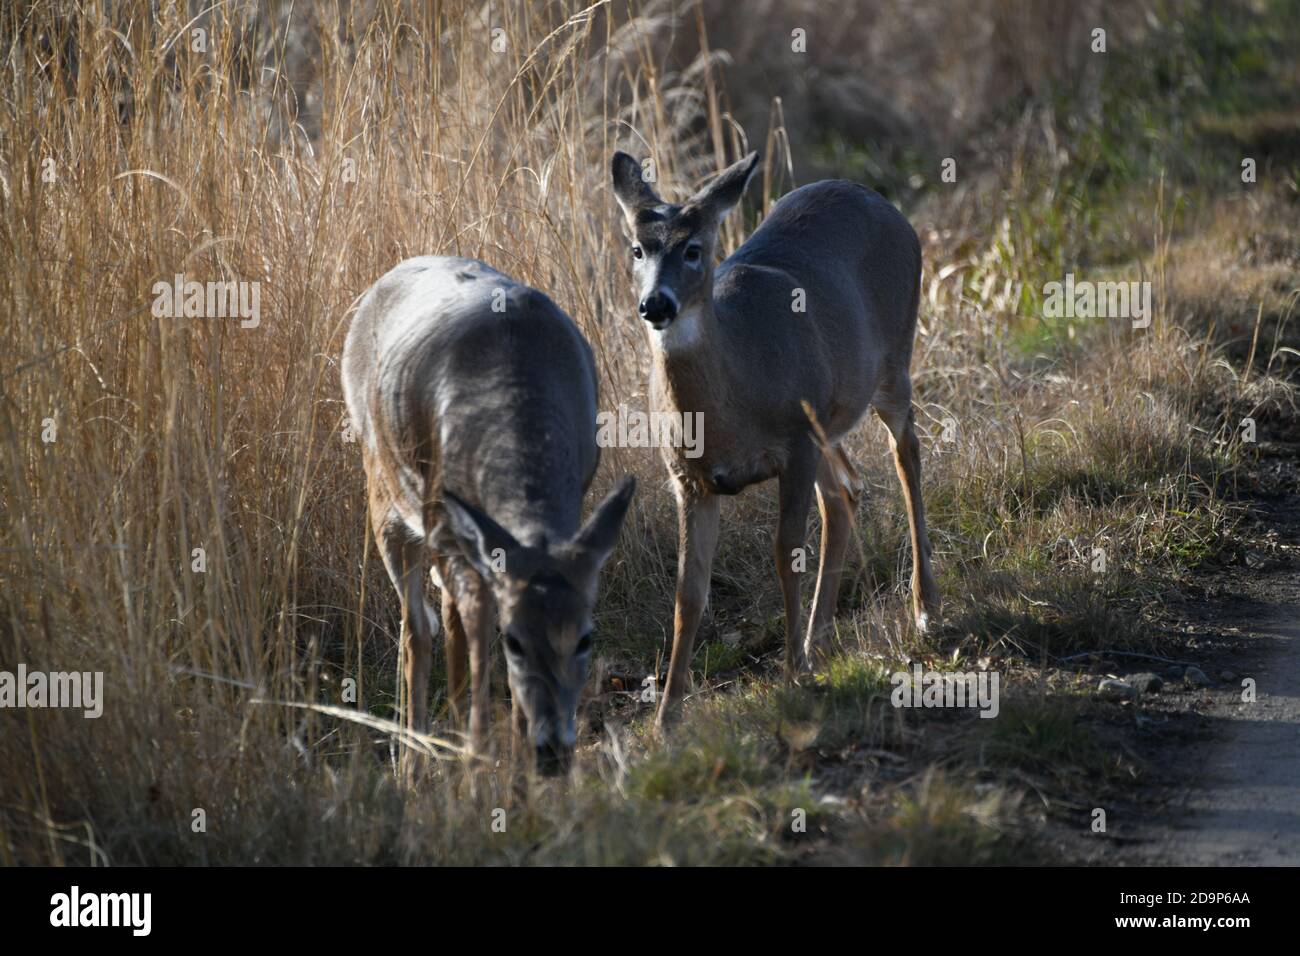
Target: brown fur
[{"x": 748, "y": 361}]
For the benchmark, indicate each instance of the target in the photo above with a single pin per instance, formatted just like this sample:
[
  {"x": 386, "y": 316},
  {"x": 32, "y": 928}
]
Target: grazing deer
[
  {"x": 817, "y": 306},
  {"x": 474, "y": 398}
]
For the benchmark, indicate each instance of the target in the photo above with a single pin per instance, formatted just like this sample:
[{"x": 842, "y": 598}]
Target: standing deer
[
  {"x": 474, "y": 398},
  {"x": 818, "y": 306}
]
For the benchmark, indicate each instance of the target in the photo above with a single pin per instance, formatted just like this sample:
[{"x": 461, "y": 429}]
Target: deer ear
[
  {"x": 593, "y": 545},
  {"x": 630, "y": 188},
  {"x": 725, "y": 189},
  {"x": 485, "y": 544}
]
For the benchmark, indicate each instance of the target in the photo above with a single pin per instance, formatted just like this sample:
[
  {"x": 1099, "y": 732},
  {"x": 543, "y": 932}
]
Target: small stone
[
  {"x": 1118, "y": 689},
  {"x": 1146, "y": 683},
  {"x": 732, "y": 638},
  {"x": 1195, "y": 677}
]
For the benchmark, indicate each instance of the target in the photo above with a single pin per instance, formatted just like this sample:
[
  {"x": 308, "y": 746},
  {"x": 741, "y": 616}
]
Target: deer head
[
  {"x": 544, "y": 596},
  {"x": 673, "y": 245}
]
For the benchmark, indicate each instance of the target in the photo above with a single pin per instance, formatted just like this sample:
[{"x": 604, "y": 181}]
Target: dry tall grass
[
  {"x": 308, "y": 151},
  {"x": 135, "y": 148}
]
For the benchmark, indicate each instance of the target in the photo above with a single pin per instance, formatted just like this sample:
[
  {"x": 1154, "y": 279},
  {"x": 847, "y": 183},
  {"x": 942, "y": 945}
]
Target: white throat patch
[{"x": 682, "y": 333}]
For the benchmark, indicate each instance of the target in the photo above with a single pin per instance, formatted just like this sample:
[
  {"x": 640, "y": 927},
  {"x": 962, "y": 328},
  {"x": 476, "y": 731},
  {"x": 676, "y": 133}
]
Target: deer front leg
[
  {"x": 457, "y": 653},
  {"x": 404, "y": 560},
  {"x": 789, "y": 548},
  {"x": 907, "y": 460},
  {"x": 697, "y": 541},
  {"x": 418, "y": 630},
  {"x": 521, "y": 750},
  {"x": 476, "y": 608}
]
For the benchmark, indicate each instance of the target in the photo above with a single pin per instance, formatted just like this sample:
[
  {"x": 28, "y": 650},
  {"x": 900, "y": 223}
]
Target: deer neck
[{"x": 689, "y": 361}]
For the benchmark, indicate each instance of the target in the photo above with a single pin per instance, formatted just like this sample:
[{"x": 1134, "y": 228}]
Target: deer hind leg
[
  {"x": 697, "y": 542},
  {"x": 790, "y": 549},
  {"x": 838, "y": 492},
  {"x": 405, "y": 561},
  {"x": 896, "y": 412}
]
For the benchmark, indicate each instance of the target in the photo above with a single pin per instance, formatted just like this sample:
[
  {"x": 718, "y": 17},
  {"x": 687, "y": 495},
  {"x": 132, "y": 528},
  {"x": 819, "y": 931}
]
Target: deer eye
[
  {"x": 637, "y": 252},
  {"x": 513, "y": 646},
  {"x": 584, "y": 645},
  {"x": 692, "y": 254}
]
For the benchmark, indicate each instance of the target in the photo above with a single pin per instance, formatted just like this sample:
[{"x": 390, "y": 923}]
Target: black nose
[
  {"x": 553, "y": 759},
  {"x": 658, "y": 308}
]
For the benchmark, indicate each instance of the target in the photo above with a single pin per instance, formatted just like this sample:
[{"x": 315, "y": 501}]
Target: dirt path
[
  {"x": 1246, "y": 812},
  {"x": 1232, "y": 796}
]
